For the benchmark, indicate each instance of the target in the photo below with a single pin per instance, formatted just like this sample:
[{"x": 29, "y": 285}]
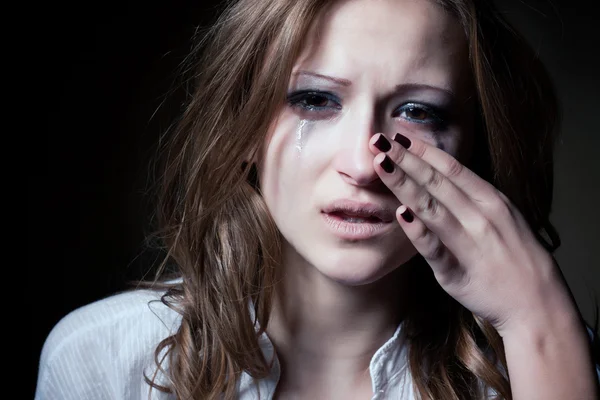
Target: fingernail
[
  {"x": 387, "y": 165},
  {"x": 382, "y": 143},
  {"x": 407, "y": 215},
  {"x": 403, "y": 140}
]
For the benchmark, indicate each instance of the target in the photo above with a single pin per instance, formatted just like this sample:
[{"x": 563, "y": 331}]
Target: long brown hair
[{"x": 218, "y": 233}]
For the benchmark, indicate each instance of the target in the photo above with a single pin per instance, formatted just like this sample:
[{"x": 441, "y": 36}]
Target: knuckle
[
  {"x": 400, "y": 157},
  {"x": 419, "y": 150},
  {"x": 401, "y": 177},
  {"x": 450, "y": 276},
  {"x": 498, "y": 207},
  {"x": 450, "y": 273},
  {"x": 504, "y": 198},
  {"x": 434, "y": 180},
  {"x": 482, "y": 228},
  {"x": 423, "y": 234},
  {"x": 428, "y": 205},
  {"x": 454, "y": 168},
  {"x": 436, "y": 252},
  {"x": 457, "y": 279}
]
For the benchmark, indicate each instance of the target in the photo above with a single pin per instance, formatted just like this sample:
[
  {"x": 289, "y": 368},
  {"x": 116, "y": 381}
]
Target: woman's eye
[
  {"x": 416, "y": 113},
  {"x": 419, "y": 113},
  {"x": 314, "y": 101}
]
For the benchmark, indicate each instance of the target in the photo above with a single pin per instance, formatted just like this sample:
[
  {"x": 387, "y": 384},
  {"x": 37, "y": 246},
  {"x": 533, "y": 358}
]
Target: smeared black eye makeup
[{"x": 420, "y": 113}]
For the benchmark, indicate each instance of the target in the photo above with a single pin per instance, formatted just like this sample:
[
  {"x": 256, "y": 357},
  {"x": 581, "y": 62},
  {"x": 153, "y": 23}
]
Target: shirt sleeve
[
  {"x": 105, "y": 350},
  {"x": 75, "y": 364}
]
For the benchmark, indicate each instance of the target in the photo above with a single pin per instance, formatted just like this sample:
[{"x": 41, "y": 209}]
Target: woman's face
[{"x": 371, "y": 66}]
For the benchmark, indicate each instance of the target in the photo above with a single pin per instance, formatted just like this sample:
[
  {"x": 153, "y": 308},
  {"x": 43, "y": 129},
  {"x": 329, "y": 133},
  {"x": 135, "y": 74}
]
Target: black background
[{"x": 101, "y": 71}]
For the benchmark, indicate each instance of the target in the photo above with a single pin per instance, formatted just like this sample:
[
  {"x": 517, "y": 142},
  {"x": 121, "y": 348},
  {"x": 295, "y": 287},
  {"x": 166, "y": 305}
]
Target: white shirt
[{"x": 101, "y": 351}]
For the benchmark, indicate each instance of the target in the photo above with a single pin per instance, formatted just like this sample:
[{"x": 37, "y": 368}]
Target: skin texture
[{"x": 333, "y": 309}]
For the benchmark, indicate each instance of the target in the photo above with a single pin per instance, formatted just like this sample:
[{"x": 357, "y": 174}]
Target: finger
[
  {"x": 493, "y": 203},
  {"x": 469, "y": 182},
  {"x": 424, "y": 205},
  {"x": 429, "y": 245},
  {"x": 434, "y": 182}
]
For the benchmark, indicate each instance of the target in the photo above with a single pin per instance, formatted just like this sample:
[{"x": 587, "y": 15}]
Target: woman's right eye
[{"x": 314, "y": 101}]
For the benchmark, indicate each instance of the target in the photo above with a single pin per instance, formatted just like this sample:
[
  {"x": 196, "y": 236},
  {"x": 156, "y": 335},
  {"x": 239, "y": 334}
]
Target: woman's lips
[
  {"x": 353, "y": 227},
  {"x": 360, "y": 209}
]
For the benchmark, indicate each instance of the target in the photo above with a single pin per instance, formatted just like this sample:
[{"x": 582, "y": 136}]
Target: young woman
[{"x": 355, "y": 203}]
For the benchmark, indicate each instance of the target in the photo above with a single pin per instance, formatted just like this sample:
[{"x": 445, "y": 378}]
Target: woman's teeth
[{"x": 355, "y": 220}]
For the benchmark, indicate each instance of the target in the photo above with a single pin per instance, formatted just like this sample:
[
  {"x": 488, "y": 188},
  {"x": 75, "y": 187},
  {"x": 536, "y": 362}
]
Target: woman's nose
[{"x": 353, "y": 160}]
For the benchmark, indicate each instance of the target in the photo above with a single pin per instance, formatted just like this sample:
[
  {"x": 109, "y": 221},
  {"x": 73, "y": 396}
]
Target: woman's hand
[
  {"x": 478, "y": 244},
  {"x": 484, "y": 254}
]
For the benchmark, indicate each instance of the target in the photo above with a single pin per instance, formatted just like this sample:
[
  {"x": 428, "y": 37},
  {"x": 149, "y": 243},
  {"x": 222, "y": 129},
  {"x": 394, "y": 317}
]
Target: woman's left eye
[{"x": 419, "y": 113}]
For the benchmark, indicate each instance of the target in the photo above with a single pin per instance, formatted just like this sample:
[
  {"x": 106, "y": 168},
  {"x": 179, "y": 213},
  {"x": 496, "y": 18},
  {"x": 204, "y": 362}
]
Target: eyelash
[
  {"x": 436, "y": 115},
  {"x": 298, "y": 99}
]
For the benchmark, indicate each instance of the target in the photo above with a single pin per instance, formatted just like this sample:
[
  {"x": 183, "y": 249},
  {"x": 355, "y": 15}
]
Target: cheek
[
  {"x": 299, "y": 144},
  {"x": 460, "y": 143},
  {"x": 456, "y": 140},
  {"x": 289, "y": 162},
  {"x": 450, "y": 140},
  {"x": 451, "y": 144}
]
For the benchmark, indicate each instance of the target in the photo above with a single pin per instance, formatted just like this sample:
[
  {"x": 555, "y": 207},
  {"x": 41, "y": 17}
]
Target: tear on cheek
[{"x": 302, "y": 133}]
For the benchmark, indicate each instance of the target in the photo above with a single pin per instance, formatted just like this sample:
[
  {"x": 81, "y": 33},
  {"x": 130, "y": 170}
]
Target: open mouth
[
  {"x": 355, "y": 218},
  {"x": 354, "y": 221}
]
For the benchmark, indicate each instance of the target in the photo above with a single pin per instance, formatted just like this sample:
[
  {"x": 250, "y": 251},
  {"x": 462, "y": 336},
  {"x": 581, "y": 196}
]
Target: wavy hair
[{"x": 218, "y": 233}]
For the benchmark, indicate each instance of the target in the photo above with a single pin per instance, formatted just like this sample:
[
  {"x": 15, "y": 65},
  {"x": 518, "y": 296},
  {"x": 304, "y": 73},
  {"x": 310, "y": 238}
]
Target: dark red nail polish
[
  {"x": 407, "y": 216},
  {"x": 403, "y": 140},
  {"x": 387, "y": 165},
  {"x": 382, "y": 144}
]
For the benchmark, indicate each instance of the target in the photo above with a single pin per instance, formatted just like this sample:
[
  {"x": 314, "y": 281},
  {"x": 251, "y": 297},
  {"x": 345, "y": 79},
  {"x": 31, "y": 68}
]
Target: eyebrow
[
  {"x": 339, "y": 81},
  {"x": 403, "y": 87},
  {"x": 408, "y": 87}
]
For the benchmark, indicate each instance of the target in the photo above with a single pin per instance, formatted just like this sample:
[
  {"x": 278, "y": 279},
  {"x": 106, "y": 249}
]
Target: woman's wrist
[{"x": 548, "y": 355}]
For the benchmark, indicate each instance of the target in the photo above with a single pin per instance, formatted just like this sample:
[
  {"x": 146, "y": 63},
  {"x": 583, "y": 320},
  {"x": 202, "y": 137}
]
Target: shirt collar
[{"x": 388, "y": 362}]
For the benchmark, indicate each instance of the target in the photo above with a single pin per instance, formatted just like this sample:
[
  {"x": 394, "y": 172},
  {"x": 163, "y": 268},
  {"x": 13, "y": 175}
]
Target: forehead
[{"x": 401, "y": 39}]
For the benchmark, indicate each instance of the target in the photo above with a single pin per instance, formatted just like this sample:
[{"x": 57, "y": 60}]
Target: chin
[
  {"x": 351, "y": 264},
  {"x": 358, "y": 267}
]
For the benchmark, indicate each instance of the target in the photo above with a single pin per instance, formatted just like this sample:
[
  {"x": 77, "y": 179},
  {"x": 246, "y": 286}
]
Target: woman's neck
[{"x": 326, "y": 333}]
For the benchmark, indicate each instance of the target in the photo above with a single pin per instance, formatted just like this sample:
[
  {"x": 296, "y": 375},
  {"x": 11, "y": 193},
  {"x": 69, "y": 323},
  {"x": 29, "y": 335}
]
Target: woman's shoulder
[
  {"x": 102, "y": 350},
  {"x": 137, "y": 314}
]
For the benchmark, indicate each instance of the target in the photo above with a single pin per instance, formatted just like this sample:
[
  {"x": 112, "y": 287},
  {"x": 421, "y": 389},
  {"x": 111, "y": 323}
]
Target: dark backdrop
[{"x": 104, "y": 69}]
